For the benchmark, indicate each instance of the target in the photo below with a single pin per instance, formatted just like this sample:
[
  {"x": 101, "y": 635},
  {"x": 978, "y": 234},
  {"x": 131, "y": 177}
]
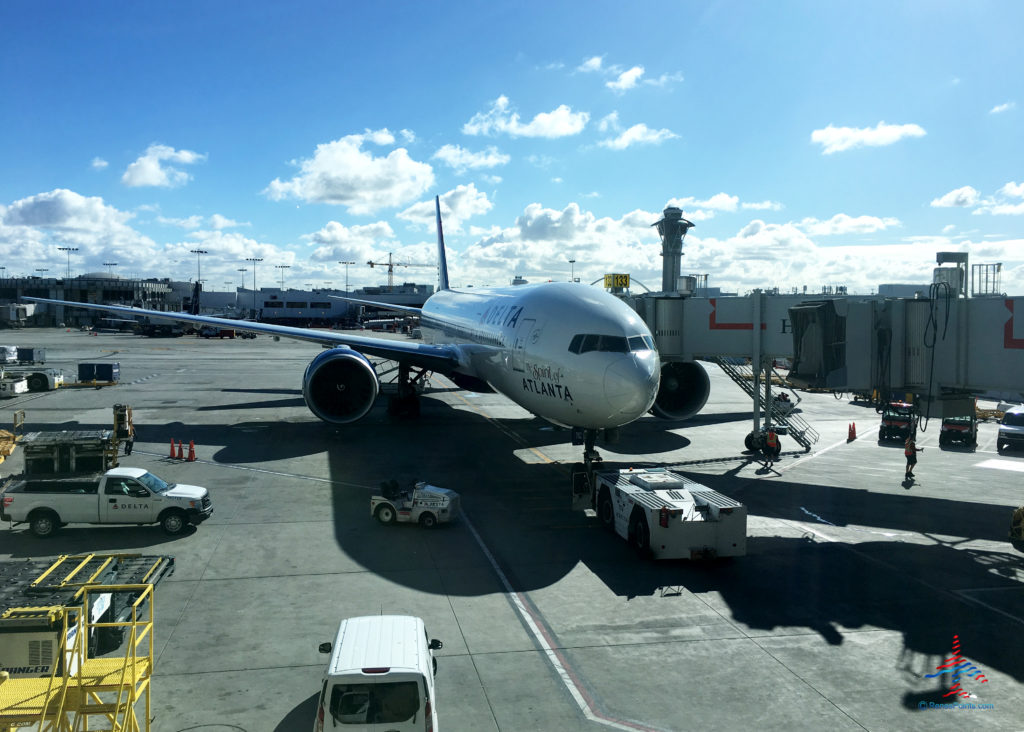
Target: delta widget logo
[{"x": 959, "y": 667}]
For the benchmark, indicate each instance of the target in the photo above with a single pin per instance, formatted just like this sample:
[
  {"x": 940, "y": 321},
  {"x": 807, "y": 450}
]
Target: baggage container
[
  {"x": 69, "y": 452},
  {"x": 103, "y": 371},
  {"x": 8, "y": 354},
  {"x": 31, "y": 355}
]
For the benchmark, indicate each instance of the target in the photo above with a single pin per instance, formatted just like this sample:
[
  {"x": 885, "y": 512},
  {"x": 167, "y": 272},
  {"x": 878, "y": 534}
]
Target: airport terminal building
[{"x": 318, "y": 306}]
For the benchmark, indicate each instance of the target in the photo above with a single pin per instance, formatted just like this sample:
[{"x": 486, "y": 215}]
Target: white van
[{"x": 380, "y": 677}]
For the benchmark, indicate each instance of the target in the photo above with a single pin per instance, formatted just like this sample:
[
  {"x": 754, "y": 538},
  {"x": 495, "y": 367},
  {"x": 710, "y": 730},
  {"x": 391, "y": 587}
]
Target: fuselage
[{"x": 569, "y": 353}]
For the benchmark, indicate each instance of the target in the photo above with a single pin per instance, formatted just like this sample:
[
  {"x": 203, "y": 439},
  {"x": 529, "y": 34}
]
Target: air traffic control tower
[{"x": 672, "y": 228}]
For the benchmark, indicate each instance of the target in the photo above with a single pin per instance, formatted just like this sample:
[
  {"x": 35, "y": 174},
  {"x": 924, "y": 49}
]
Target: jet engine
[
  {"x": 683, "y": 392},
  {"x": 340, "y": 385}
]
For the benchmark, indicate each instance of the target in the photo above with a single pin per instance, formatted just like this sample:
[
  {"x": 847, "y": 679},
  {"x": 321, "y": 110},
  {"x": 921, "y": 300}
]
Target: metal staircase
[{"x": 795, "y": 426}]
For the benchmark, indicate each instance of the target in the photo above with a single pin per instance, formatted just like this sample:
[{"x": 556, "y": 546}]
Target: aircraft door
[{"x": 518, "y": 350}]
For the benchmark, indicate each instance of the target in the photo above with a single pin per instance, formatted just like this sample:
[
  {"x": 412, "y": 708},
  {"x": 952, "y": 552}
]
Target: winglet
[{"x": 442, "y": 261}]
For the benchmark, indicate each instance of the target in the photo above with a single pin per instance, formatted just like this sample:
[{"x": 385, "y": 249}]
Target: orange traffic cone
[
  {"x": 191, "y": 451},
  {"x": 172, "y": 449},
  {"x": 853, "y": 430},
  {"x": 181, "y": 453}
]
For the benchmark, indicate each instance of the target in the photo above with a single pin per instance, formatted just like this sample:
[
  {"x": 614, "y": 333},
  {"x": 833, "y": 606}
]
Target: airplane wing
[
  {"x": 381, "y": 305},
  {"x": 442, "y": 359}
]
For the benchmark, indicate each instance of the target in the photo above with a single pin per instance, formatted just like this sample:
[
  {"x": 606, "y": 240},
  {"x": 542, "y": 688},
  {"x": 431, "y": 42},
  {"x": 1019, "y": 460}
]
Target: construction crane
[{"x": 390, "y": 264}]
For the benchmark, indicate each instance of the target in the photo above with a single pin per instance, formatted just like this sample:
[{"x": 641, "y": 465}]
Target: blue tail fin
[{"x": 442, "y": 261}]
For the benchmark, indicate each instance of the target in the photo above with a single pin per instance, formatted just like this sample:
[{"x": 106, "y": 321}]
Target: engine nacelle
[
  {"x": 683, "y": 392},
  {"x": 340, "y": 385}
]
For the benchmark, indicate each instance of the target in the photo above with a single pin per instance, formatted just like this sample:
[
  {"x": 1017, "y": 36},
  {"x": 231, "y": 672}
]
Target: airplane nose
[{"x": 631, "y": 384}]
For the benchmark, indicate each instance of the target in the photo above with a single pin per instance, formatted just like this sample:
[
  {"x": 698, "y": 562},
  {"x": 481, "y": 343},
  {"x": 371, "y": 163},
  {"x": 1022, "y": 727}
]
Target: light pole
[
  {"x": 282, "y": 267},
  {"x": 42, "y": 269},
  {"x": 3, "y": 271},
  {"x": 243, "y": 270},
  {"x": 346, "y": 274},
  {"x": 110, "y": 267},
  {"x": 572, "y": 270},
  {"x": 68, "y": 250},
  {"x": 254, "y": 260},
  {"x": 199, "y": 269}
]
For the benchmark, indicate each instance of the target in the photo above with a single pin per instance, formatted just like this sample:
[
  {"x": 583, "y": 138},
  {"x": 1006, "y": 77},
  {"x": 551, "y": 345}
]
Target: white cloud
[
  {"x": 457, "y": 205},
  {"x": 1015, "y": 190},
  {"x": 626, "y": 80},
  {"x": 1002, "y": 107},
  {"x": 948, "y": 229},
  {"x": 843, "y": 224},
  {"x": 192, "y": 222},
  {"x": 460, "y": 159},
  {"x": 537, "y": 246},
  {"x": 664, "y": 79},
  {"x": 961, "y": 197},
  {"x": 31, "y": 228},
  {"x": 99, "y": 163},
  {"x": 151, "y": 169},
  {"x": 560, "y": 122},
  {"x": 222, "y": 222},
  {"x": 1000, "y": 209},
  {"x": 763, "y": 206},
  {"x": 836, "y": 139},
  {"x": 408, "y": 136},
  {"x": 638, "y": 134},
  {"x": 342, "y": 173},
  {"x": 718, "y": 202},
  {"x": 336, "y": 242},
  {"x": 591, "y": 64},
  {"x": 609, "y": 122}
]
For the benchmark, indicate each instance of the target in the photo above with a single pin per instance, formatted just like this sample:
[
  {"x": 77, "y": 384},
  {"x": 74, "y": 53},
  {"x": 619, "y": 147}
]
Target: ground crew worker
[
  {"x": 771, "y": 449},
  {"x": 910, "y": 449}
]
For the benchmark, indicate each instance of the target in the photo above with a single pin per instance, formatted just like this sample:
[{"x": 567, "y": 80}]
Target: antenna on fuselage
[{"x": 442, "y": 261}]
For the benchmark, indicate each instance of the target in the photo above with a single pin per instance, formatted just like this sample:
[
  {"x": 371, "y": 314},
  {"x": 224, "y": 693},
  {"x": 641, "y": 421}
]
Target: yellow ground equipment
[
  {"x": 9, "y": 440},
  {"x": 52, "y": 624}
]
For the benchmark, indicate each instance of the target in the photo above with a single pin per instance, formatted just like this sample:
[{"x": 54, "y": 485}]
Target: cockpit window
[
  {"x": 641, "y": 343},
  {"x": 584, "y": 342}
]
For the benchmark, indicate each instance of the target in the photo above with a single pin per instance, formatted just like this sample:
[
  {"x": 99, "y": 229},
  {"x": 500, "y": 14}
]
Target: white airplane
[{"x": 567, "y": 352}]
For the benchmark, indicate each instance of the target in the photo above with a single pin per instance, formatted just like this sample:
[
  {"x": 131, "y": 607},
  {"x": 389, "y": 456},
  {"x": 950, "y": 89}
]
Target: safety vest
[
  {"x": 909, "y": 448},
  {"x": 773, "y": 441}
]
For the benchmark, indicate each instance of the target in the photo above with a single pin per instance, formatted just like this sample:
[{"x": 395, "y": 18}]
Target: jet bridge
[{"x": 945, "y": 349}]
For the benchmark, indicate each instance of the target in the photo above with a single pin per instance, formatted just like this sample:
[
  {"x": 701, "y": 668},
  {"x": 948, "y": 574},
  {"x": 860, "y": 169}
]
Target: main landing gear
[{"x": 406, "y": 403}]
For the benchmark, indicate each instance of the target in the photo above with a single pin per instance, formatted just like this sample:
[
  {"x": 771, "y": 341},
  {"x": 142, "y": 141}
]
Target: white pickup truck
[{"x": 119, "y": 496}]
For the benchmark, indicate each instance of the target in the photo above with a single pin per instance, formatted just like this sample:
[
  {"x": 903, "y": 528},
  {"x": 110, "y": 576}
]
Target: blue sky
[{"x": 811, "y": 143}]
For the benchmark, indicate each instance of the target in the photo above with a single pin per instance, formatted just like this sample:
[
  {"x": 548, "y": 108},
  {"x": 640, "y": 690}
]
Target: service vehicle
[
  {"x": 119, "y": 496},
  {"x": 380, "y": 676},
  {"x": 666, "y": 515},
  {"x": 31, "y": 639},
  {"x": 897, "y": 418},
  {"x": 8, "y": 354},
  {"x": 11, "y": 385},
  {"x": 425, "y": 504},
  {"x": 37, "y": 379},
  {"x": 962, "y": 429},
  {"x": 209, "y": 331},
  {"x": 1011, "y": 429}
]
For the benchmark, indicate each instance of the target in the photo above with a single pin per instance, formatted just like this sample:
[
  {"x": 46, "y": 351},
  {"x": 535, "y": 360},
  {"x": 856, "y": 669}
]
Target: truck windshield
[{"x": 153, "y": 483}]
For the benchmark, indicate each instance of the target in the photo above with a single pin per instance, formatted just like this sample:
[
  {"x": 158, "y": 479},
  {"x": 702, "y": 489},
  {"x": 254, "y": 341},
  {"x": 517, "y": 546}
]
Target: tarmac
[{"x": 840, "y": 617}]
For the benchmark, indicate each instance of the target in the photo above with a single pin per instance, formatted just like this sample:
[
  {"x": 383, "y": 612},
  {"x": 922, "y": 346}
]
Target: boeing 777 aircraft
[{"x": 572, "y": 354}]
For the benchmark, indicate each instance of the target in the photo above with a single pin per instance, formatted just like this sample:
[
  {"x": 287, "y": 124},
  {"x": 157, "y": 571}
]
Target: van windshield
[{"x": 389, "y": 703}]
